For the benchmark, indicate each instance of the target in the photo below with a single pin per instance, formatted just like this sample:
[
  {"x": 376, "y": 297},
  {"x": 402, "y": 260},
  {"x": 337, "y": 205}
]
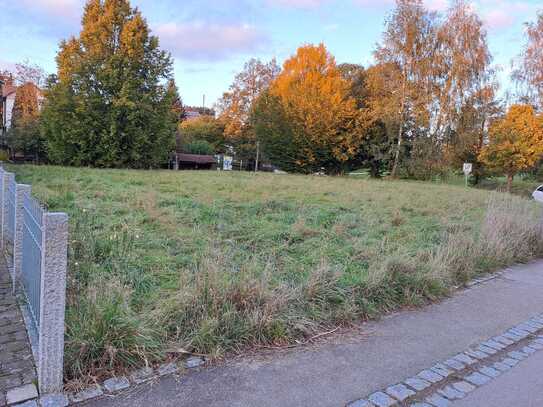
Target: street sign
[
  {"x": 468, "y": 169},
  {"x": 227, "y": 163}
]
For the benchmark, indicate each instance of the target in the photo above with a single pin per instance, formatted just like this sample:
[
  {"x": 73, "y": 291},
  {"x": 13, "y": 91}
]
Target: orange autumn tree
[
  {"x": 515, "y": 142},
  {"x": 322, "y": 116}
]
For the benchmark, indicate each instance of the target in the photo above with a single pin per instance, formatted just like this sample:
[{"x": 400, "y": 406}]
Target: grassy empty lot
[{"x": 213, "y": 262}]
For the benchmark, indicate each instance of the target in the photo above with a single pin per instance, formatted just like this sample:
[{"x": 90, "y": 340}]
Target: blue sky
[{"x": 210, "y": 40}]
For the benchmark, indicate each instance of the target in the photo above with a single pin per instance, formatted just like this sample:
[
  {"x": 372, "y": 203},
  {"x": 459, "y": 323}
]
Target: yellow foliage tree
[
  {"x": 515, "y": 142},
  {"x": 317, "y": 103}
]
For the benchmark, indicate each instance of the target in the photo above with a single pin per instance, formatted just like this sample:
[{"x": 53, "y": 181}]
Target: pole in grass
[
  {"x": 468, "y": 169},
  {"x": 257, "y": 155}
]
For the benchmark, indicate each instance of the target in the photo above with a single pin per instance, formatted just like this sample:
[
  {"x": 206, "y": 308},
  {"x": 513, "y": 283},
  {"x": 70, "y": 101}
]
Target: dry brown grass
[{"x": 512, "y": 232}]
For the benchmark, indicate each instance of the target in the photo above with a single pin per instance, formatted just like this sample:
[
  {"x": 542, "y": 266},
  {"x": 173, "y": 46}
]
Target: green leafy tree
[
  {"x": 200, "y": 147},
  {"x": 275, "y": 134},
  {"x": 202, "y": 129},
  {"x": 110, "y": 104},
  {"x": 376, "y": 152}
]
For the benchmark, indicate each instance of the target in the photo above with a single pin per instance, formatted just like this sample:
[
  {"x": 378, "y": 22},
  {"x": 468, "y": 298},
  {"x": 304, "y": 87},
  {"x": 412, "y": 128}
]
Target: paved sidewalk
[
  {"x": 334, "y": 374},
  {"x": 17, "y": 371},
  {"x": 522, "y": 386}
]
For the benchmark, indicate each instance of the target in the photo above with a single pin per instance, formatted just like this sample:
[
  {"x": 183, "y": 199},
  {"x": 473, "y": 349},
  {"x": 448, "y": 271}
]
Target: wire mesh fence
[
  {"x": 34, "y": 243},
  {"x": 32, "y": 254}
]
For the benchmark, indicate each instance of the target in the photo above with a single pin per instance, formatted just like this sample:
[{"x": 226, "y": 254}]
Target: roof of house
[{"x": 196, "y": 159}]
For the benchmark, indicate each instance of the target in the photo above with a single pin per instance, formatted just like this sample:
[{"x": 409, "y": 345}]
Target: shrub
[{"x": 200, "y": 147}]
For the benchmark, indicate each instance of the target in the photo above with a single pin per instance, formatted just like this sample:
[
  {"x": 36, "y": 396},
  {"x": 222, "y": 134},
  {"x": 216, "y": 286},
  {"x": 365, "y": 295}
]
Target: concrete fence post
[
  {"x": 7, "y": 179},
  {"x": 20, "y": 191},
  {"x": 2, "y": 204},
  {"x": 52, "y": 302}
]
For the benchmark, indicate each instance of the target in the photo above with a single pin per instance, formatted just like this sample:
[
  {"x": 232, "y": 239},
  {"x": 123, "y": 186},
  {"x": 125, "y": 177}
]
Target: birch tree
[
  {"x": 405, "y": 59},
  {"x": 529, "y": 70},
  {"x": 236, "y": 104}
]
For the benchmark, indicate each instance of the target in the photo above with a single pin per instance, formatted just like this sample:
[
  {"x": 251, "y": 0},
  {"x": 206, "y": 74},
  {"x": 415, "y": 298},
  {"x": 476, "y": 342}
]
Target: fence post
[
  {"x": 52, "y": 302},
  {"x": 20, "y": 192},
  {"x": 2, "y": 204},
  {"x": 7, "y": 179}
]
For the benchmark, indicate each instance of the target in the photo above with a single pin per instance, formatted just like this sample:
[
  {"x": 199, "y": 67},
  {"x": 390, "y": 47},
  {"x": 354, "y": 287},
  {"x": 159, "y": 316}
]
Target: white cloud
[
  {"x": 304, "y": 4},
  {"x": 498, "y": 19},
  {"x": 7, "y": 65},
  {"x": 209, "y": 41},
  {"x": 437, "y": 5},
  {"x": 434, "y": 5},
  {"x": 65, "y": 9},
  {"x": 502, "y": 14},
  {"x": 331, "y": 27},
  {"x": 375, "y": 3}
]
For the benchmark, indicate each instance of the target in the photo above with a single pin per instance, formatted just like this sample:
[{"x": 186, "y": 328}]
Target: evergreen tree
[{"x": 110, "y": 104}]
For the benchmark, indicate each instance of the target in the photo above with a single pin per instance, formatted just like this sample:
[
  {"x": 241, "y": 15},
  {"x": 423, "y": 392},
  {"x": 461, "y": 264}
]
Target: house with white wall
[
  {"x": 8, "y": 95},
  {"x": 7, "y": 102}
]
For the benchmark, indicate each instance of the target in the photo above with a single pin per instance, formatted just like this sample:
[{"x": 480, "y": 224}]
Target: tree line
[{"x": 428, "y": 103}]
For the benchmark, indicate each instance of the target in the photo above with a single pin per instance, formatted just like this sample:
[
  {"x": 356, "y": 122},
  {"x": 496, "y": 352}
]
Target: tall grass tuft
[
  {"x": 105, "y": 336},
  {"x": 511, "y": 232}
]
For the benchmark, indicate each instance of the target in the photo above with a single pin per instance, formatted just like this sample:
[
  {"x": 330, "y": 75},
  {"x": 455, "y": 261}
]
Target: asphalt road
[{"x": 382, "y": 353}]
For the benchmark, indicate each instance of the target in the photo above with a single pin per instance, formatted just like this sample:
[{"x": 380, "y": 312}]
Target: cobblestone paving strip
[
  {"x": 453, "y": 378},
  {"x": 117, "y": 385},
  {"x": 17, "y": 370}
]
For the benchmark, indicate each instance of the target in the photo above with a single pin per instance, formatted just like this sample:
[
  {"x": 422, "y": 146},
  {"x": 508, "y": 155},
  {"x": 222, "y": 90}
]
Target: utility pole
[
  {"x": 203, "y": 101},
  {"x": 257, "y": 155}
]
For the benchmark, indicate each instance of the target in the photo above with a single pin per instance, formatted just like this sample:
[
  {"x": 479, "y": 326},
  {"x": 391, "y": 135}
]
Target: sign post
[
  {"x": 227, "y": 163},
  {"x": 468, "y": 169}
]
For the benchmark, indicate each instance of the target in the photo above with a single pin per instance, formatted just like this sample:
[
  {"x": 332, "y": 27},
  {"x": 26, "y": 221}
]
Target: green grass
[{"x": 213, "y": 262}]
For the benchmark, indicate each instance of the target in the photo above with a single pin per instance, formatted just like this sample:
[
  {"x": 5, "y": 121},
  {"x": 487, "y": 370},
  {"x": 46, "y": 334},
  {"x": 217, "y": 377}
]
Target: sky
[{"x": 211, "y": 40}]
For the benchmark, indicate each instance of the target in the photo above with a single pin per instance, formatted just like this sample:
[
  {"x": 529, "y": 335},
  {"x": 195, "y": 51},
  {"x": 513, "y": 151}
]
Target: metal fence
[
  {"x": 34, "y": 243},
  {"x": 32, "y": 254}
]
